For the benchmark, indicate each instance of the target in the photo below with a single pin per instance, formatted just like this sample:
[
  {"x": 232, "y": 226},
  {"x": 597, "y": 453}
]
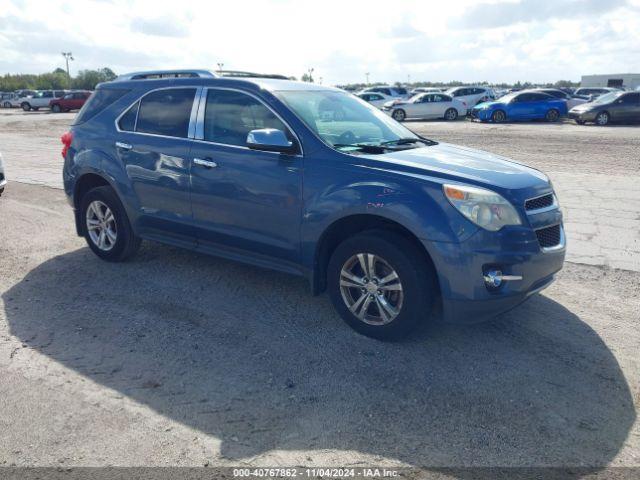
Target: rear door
[
  {"x": 626, "y": 108},
  {"x": 152, "y": 143}
]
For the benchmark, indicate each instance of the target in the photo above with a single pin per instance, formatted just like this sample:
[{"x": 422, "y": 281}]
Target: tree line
[{"x": 58, "y": 79}]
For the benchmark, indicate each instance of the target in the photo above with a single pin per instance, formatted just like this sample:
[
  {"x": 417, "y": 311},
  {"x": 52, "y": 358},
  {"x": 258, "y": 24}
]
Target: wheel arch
[
  {"x": 348, "y": 226},
  {"x": 86, "y": 182}
]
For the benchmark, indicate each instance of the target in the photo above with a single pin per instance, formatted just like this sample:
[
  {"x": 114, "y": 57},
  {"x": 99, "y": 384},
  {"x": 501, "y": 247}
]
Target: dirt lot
[{"x": 180, "y": 359}]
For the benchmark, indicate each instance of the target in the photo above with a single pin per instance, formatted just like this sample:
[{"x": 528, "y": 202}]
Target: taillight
[{"x": 66, "y": 140}]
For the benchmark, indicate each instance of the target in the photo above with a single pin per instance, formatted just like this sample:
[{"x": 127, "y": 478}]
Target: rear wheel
[
  {"x": 552, "y": 115},
  {"x": 106, "y": 226},
  {"x": 602, "y": 118},
  {"x": 380, "y": 284},
  {"x": 6, "y": 104},
  {"x": 498, "y": 116},
  {"x": 399, "y": 115},
  {"x": 25, "y": 106},
  {"x": 451, "y": 114}
]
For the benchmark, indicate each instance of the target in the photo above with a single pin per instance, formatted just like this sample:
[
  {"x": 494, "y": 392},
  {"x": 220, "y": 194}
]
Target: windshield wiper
[
  {"x": 408, "y": 141},
  {"x": 366, "y": 147}
]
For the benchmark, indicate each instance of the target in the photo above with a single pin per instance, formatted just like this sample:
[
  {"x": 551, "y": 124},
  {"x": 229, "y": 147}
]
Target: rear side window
[
  {"x": 127, "y": 122},
  {"x": 230, "y": 116},
  {"x": 99, "y": 100},
  {"x": 166, "y": 112}
]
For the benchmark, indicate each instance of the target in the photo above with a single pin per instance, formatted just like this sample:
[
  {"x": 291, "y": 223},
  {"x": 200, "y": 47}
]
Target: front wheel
[
  {"x": 602, "y": 118},
  {"x": 451, "y": 114},
  {"x": 25, "y": 106},
  {"x": 498, "y": 116},
  {"x": 56, "y": 108},
  {"x": 399, "y": 115},
  {"x": 106, "y": 226},
  {"x": 380, "y": 284}
]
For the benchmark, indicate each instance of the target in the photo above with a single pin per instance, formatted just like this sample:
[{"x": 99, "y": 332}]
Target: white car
[
  {"x": 426, "y": 105},
  {"x": 472, "y": 95},
  {"x": 3, "y": 180},
  {"x": 374, "y": 98},
  {"x": 41, "y": 99},
  {"x": 418, "y": 90}
]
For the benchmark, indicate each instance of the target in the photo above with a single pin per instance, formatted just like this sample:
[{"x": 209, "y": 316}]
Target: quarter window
[
  {"x": 166, "y": 112},
  {"x": 127, "y": 122},
  {"x": 229, "y": 116}
]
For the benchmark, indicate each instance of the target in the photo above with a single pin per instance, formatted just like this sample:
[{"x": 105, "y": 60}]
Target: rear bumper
[{"x": 461, "y": 267}]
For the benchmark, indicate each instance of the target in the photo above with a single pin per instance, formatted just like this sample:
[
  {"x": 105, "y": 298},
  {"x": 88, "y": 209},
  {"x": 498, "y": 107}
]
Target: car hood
[
  {"x": 489, "y": 104},
  {"x": 455, "y": 163}
]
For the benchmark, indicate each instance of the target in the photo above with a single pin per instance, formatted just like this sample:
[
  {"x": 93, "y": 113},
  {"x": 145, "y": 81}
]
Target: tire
[
  {"x": 392, "y": 252},
  {"x": 6, "y": 105},
  {"x": 25, "y": 106},
  {"x": 125, "y": 243},
  {"x": 602, "y": 118},
  {"x": 56, "y": 108},
  {"x": 498, "y": 116},
  {"x": 552, "y": 115},
  {"x": 399, "y": 115},
  {"x": 451, "y": 114},
  {"x": 580, "y": 122}
]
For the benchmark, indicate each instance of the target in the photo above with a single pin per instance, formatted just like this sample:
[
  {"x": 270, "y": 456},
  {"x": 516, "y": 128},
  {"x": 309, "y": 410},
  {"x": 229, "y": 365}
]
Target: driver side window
[{"x": 230, "y": 116}]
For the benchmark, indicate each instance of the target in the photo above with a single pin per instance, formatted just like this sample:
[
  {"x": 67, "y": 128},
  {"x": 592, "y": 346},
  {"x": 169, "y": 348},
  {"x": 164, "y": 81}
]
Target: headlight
[{"x": 483, "y": 207}]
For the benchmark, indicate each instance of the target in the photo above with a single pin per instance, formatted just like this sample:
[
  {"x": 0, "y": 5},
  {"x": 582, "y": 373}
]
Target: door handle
[
  {"x": 124, "y": 146},
  {"x": 205, "y": 163}
]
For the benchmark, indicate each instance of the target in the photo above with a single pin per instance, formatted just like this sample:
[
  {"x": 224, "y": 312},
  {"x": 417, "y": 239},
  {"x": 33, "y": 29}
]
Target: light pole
[
  {"x": 310, "y": 72},
  {"x": 367, "y": 75},
  {"x": 220, "y": 65},
  {"x": 67, "y": 56}
]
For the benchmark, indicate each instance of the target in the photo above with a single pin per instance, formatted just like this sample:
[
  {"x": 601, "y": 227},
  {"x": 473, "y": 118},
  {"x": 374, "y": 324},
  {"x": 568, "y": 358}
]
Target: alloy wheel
[
  {"x": 371, "y": 289},
  {"x": 602, "y": 118},
  {"x": 101, "y": 225}
]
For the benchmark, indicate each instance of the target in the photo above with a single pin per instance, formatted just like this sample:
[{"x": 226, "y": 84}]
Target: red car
[{"x": 71, "y": 101}]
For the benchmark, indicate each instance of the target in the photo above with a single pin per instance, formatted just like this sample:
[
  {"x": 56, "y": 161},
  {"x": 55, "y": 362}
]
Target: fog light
[{"x": 494, "y": 277}]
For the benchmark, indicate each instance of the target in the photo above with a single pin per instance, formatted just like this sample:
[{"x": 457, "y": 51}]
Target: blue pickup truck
[{"x": 312, "y": 181}]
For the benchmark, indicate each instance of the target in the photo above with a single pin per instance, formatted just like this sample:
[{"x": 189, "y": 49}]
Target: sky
[{"x": 392, "y": 40}]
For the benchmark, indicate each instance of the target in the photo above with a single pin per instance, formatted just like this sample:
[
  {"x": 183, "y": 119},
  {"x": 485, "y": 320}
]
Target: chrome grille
[
  {"x": 539, "y": 202},
  {"x": 548, "y": 236}
]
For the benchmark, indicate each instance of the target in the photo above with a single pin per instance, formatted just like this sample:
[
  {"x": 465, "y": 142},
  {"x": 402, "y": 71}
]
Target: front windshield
[
  {"x": 343, "y": 120},
  {"x": 508, "y": 97},
  {"x": 608, "y": 98}
]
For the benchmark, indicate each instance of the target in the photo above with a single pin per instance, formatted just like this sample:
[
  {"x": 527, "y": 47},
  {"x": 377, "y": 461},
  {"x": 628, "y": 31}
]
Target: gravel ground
[{"x": 176, "y": 358}]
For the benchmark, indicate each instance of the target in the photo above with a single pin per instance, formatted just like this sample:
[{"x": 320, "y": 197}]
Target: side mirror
[{"x": 270, "y": 140}]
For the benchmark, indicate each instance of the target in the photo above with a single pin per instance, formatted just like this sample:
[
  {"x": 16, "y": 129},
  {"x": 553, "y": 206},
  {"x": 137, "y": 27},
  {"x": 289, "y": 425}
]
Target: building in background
[{"x": 628, "y": 80}]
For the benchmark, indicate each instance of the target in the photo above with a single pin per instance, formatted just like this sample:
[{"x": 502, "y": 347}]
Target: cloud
[
  {"x": 493, "y": 15},
  {"x": 160, "y": 27}
]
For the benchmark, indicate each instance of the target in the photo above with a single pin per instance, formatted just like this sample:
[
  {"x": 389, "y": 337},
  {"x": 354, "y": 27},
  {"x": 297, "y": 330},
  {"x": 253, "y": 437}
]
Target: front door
[{"x": 245, "y": 201}]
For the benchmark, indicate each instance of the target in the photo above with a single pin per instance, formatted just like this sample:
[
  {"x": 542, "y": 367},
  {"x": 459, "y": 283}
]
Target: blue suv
[{"x": 312, "y": 181}]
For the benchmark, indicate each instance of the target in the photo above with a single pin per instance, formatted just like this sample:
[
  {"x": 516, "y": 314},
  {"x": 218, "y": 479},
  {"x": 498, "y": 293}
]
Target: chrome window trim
[
  {"x": 199, "y": 129},
  {"x": 139, "y": 101},
  {"x": 553, "y": 206},
  {"x": 561, "y": 244}
]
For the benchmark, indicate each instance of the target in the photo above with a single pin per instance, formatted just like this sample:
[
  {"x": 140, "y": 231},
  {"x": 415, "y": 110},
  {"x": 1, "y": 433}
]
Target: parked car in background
[
  {"x": 518, "y": 106},
  {"x": 591, "y": 93},
  {"x": 14, "y": 100},
  {"x": 374, "y": 98},
  {"x": 41, "y": 99},
  {"x": 426, "y": 105},
  {"x": 418, "y": 90},
  {"x": 71, "y": 101},
  {"x": 571, "y": 100},
  {"x": 3, "y": 180},
  {"x": 5, "y": 99},
  {"x": 471, "y": 95},
  {"x": 307, "y": 179},
  {"x": 617, "y": 106},
  {"x": 387, "y": 90}
]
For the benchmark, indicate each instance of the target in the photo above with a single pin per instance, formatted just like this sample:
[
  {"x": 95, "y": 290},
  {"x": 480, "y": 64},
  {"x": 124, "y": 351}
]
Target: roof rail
[
  {"x": 156, "y": 74},
  {"x": 240, "y": 74}
]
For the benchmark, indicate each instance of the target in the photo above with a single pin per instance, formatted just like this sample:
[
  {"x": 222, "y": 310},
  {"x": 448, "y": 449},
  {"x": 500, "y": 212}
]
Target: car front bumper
[
  {"x": 482, "y": 114},
  {"x": 461, "y": 268},
  {"x": 588, "y": 116}
]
